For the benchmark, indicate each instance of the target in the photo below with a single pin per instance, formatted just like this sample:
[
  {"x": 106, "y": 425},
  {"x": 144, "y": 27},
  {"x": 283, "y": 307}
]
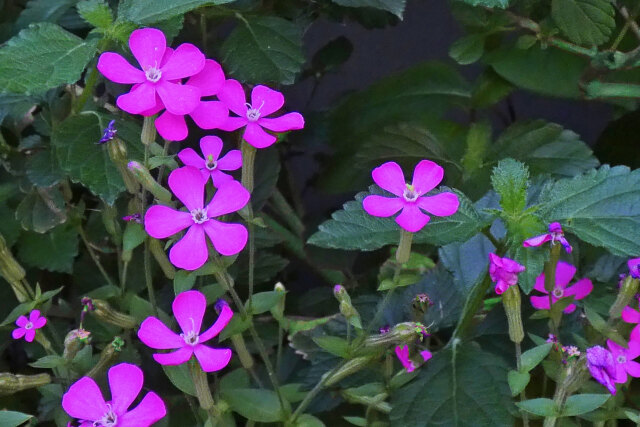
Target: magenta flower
[
  {"x": 27, "y": 327},
  {"x": 188, "y": 308},
  {"x": 403, "y": 355},
  {"x": 504, "y": 271},
  {"x": 602, "y": 367},
  {"x": 623, "y": 359},
  {"x": 148, "y": 46},
  {"x": 634, "y": 267},
  {"x": 555, "y": 235},
  {"x": 190, "y": 252},
  {"x": 212, "y": 166},
  {"x": 630, "y": 315},
  {"x": 564, "y": 274},
  {"x": 84, "y": 400},
  {"x": 410, "y": 197},
  {"x": 264, "y": 101}
]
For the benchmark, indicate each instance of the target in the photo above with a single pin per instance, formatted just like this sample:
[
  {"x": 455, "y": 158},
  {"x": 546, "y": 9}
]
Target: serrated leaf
[
  {"x": 42, "y": 57},
  {"x": 53, "y": 251},
  {"x": 586, "y": 22},
  {"x": 264, "y": 49},
  {"x": 13, "y": 419},
  {"x": 468, "y": 49},
  {"x": 501, "y": 4},
  {"x": 510, "y": 179},
  {"x": 96, "y": 12},
  {"x": 41, "y": 209},
  {"x": 392, "y": 6},
  {"x": 153, "y": 11},
  {"x": 42, "y": 11},
  {"x": 532, "y": 357},
  {"x": 579, "y": 404},
  {"x": 255, "y": 404},
  {"x": 542, "y": 407},
  {"x": 518, "y": 381}
]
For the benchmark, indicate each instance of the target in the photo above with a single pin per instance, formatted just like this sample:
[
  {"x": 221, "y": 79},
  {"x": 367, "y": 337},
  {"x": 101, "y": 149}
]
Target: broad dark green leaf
[
  {"x": 468, "y": 261},
  {"x": 460, "y": 386},
  {"x": 42, "y": 169},
  {"x": 586, "y": 22},
  {"x": 264, "y": 301},
  {"x": 255, "y": 404},
  {"x": 265, "y": 49},
  {"x": 393, "y": 6},
  {"x": 579, "y": 404},
  {"x": 13, "y": 419},
  {"x": 53, "y": 251},
  {"x": 41, "y": 209},
  {"x": 180, "y": 377},
  {"x": 42, "y": 57},
  {"x": 42, "y": 11},
  {"x": 153, "y": 11}
]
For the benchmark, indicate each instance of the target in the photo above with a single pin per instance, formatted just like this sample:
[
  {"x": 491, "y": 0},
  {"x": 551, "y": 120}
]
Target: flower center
[
  {"x": 558, "y": 292},
  {"x": 28, "y": 326},
  {"x": 109, "y": 419},
  {"x": 253, "y": 114},
  {"x": 211, "y": 164},
  {"x": 410, "y": 194},
  {"x": 190, "y": 338},
  {"x": 153, "y": 74},
  {"x": 199, "y": 216},
  {"x": 621, "y": 359}
]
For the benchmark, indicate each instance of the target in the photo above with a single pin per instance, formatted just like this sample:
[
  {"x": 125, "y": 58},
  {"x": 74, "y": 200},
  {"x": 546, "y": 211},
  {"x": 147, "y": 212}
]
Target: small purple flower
[
  {"x": 212, "y": 165},
  {"x": 564, "y": 274},
  {"x": 555, "y": 235},
  {"x": 384, "y": 329},
  {"x": 602, "y": 367},
  {"x": 423, "y": 298},
  {"x": 552, "y": 339},
  {"x": 623, "y": 359},
  {"x": 109, "y": 132},
  {"x": 27, "y": 326},
  {"x": 634, "y": 267},
  {"x": 571, "y": 351},
  {"x": 136, "y": 217},
  {"x": 504, "y": 271},
  {"x": 403, "y": 355}
]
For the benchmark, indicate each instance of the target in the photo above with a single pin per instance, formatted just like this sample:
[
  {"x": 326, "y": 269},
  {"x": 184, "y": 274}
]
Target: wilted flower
[
  {"x": 555, "y": 235},
  {"x": 602, "y": 367},
  {"x": 188, "y": 309},
  {"x": 212, "y": 166},
  {"x": 564, "y": 274},
  {"x": 27, "y": 326},
  {"x": 136, "y": 217},
  {"x": 503, "y": 271},
  {"x": 403, "y": 355},
  {"x": 384, "y": 329},
  {"x": 552, "y": 339},
  {"x": 84, "y": 400},
  {"x": 410, "y": 198},
  {"x": 109, "y": 132}
]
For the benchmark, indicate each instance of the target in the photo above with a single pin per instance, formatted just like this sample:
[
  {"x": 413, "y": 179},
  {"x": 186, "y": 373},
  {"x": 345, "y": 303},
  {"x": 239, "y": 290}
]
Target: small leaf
[
  {"x": 542, "y": 407},
  {"x": 142, "y": 12},
  {"x": 510, "y": 180},
  {"x": 392, "y": 6},
  {"x": 468, "y": 49},
  {"x": 96, "y": 13},
  {"x": 579, "y": 404},
  {"x": 532, "y": 357},
  {"x": 518, "y": 381},
  {"x": 180, "y": 377},
  {"x": 13, "y": 419},
  {"x": 133, "y": 236},
  {"x": 49, "y": 362},
  {"x": 183, "y": 281},
  {"x": 356, "y": 421},
  {"x": 264, "y": 301},
  {"x": 334, "y": 345},
  {"x": 260, "y": 405}
]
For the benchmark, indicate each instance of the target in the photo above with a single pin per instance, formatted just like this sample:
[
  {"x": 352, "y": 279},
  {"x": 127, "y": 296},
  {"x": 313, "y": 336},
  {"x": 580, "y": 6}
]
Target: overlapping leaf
[
  {"x": 587, "y": 22},
  {"x": 393, "y": 6}
]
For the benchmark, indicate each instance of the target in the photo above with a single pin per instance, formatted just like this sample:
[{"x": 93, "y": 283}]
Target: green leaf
[
  {"x": 600, "y": 207},
  {"x": 501, "y": 4},
  {"x": 264, "y": 49},
  {"x": 518, "y": 381},
  {"x": 334, "y": 345},
  {"x": 238, "y": 378},
  {"x": 393, "y": 6},
  {"x": 13, "y": 419},
  {"x": 180, "y": 377},
  {"x": 153, "y": 11},
  {"x": 510, "y": 180},
  {"x": 264, "y": 301},
  {"x": 53, "y": 251},
  {"x": 468, "y": 49},
  {"x": 133, "y": 236},
  {"x": 255, "y": 404},
  {"x": 460, "y": 386},
  {"x": 532, "y": 357},
  {"x": 42, "y": 57},
  {"x": 96, "y": 13},
  {"x": 352, "y": 228},
  {"x": 579, "y": 404},
  {"x": 42, "y": 169},
  {"x": 183, "y": 281},
  {"x": 42, "y": 11},
  {"x": 356, "y": 421},
  {"x": 532, "y": 259},
  {"x": 585, "y": 22},
  {"x": 542, "y": 407},
  {"x": 41, "y": 209},
  {"x": 49, "y": 362},
  {"x": 308, "y": 420}
]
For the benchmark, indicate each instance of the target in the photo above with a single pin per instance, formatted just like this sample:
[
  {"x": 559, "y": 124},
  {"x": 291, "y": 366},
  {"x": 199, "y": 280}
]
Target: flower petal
[
  {"x": 117, "y": 69},
  {"x": 233, "y": 123},
  {"x": 177, "y": 357},
  {"x": 633, "y": 368},
  {"x": 125, "y": 382},
  {"x": 630, "y": 315},
  {"x": 30, "y": 335},
  {"x": 84, "y": 400},
  {"x": 212, "y": 359},
  {"x": 231, "y": 161},
  {"x": 190, "y": 253},
  {"x": 290, "y": 121},
  {"x": 162, "y": 221},
  {"x": 382, "y": 206},
  {"x": 148, "y": 411},
  {"x": 426, "y": 355},
  {"x": 443, "y": 204},
  {"x": 39, "y": 323},
  {"x": 178, "y": 99},
  {"x": 218, "y": 178},
  {"x": 148, "y": 46},
  {"x": 188, "y": 309},
  {"x": 426, "y": 176},
  {"x": 18, "y": 333},
  {"x": 141, "y": 98},
  {"x": 34, "y": 315},
  {"x": 634, "y": 349},
  {"x": 540, "y": 303},
  {"x": 211, "y": 146},
  {"x": 22, "y": 321},
  {"x": 564, "y": 273},
  {"x": 570, "y": 308},
  {"x": 155, "y": 334},
  {"x": 221, "y": 322},
  {"x": 188, "y": 186},
  {"x": 210, "y": 114},
  {"x": 266, "y": 100},
  {"x": 186, "y": 60},
  {"x": 210, "y": 79},
  {"x": 539, "y": 286},
  {"x": 230, "y": 197},
  {"x": 189, "y": 157},
  {"x": 232, "y": 94},
  {"x": 537, "y": 240},
  {"x": 389, "y": 176},
  {"x": 580, "y": 289},
  {"x": 228, "y": 239},
  {"x": 412, "y": 219},
  {"x": 257, "y": 137},
  {"x": 172, "y": 127}
]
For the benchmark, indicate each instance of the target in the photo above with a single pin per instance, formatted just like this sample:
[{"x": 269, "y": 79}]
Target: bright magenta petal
[
  {"x": 39, "y": 323},
  {"x": 539, "y": 286},
  {"x": 18, "y": 333},
  {"x": 233, "y": 123},
  {"x": 266, "y": 100},
  {"x": 148, "y": 411},
  {"x": 382, "y": 206},
  {"x": 189, "y": 157},
  {"x": 536, "y": 241},
  {"x": 187, "y": 60},
  {"x": 412, "y": 219},
  {"x": 178, "y": 99},
  {"x": 22, "y": 321},
  {"x": 218, "y": 178},
  {"x": 212, "y": 359},
  {"x": 232, "y": 94},
  {"x": 570, "y": 308},
  {"x": 230, "y": 197},
  {"x": 634, "y": 350},
  {"x": 210, "y": 114},
  {"x": 117, "y": 69},
  {"x": 389, "y": 177},
  {"x": 221, "y": 322},
  {"x": 564, "y": 273},
  {"x": 188, "y": 186},
  {"x": 580, "y": 289},
  {"x": 426, "y": 176},
  {"x": 155, "y": 334},
  {"x": 30, "y": 335},
  {"x": 188, "y": 309},
  {"x": 257, "y": 137},
  {"x": 211, "y": 146},
  {"x": 231, "y": 161},
  {"x": 633, "y": 369},
  {"x": 162, "y": 221},
  {"x": 290, "y": 121},
  {"x": 443, "y": 204},
  {"x": 125, "y": 382},
  {"x": 228, "y": 239},
  {"x": 177, "y": 357},
  {"x": 541, "y": 303},
  {"x": 190, "y": 253},
  {"x": 172, "y": 127},
  {"x": 138, "y": 100},
  {"x": 84, "y": 400},
  {"x": 148, "y": 46},
  {"x": 630, "y": 315},
  {"x": 426, "y": 355},
  {"x": 209, "y": 80}
]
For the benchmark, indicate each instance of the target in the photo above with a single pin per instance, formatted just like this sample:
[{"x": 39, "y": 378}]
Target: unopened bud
[
  {"x": 346, "y": 308},
  {"x": 9, "y": 267},
  {"x": 142, "y": 175},
  {"x": 402, "y": 333},
  {"x": 278, "y": 310},
  {"x": 107, "y": 356},
  {"x": 279, "y": 287},
  {"x": 148, "y": 135},
  {"x": 628, "y": 290},
  {"x": 106, "y": 313},
  {"x": 161, "y": 258},
  {"x": 12, "y": 383},
  {"x": 511, "y": 303},
  {"x": 74, "y": 342},
  {"x": 421, "y": 304},
  {"x": 349, "y": 368},
  {"x": 110, "y": 221}
]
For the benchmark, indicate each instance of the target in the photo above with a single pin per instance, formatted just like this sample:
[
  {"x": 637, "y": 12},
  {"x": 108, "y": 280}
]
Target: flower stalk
[
  {"x": 549, "y": 283},
  {"x": 628, "y": 290},
  {"x": 142, "y": 175},
  {"x": 11, "y": 383},
  {"x": 404, "y": 246}
]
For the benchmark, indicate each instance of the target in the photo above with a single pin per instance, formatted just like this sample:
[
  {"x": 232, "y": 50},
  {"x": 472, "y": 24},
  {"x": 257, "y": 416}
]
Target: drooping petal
[
  {"x": 190, "y": 253},
  {"x": 210, "y": 114},
  {"x": 426, "y": 176},
  {"x": 257, "y": 137},
  {"x": 630, "y": 315},
  {"x": 125, "y": 382},
  {"x": 187, "y": 60},
  {"x": 232, "y": 94},
  {"x": 564, "y": 274},
  {"x": 233, "y": 123},
  {"x": 230, "y": 197},
  {"x": 188, "y": 309},
  {"x": 402, "y": 352},
  {"x": 29, "y": 335},
  {"x": 148, "y": 46},
  {"x": 177, "y": 357},
  {"x": 211, "y": 146},
  {"x": 389, "y": 177},
  {"x": 148, "y": 411},
  {"x": 570, "y": 308},
  {"x": 209, "y": 80},
  {"x": 290, "y": 121},
  {"x": 178, "y": 99},
  {"x": 540, "y": 303},
  {"x": 443, "y": 204},
  {"x": 188, "y": 186},
  {"x": 84, "y": 400},
  {"x": 162, "y": 221},
  {"x": 228, "y": 239},
  {"x": 382, "y": 206},
  {"x": 117, "y": 69},
  {"x": 138, "y": 100},
  {"x": 634, "y": 349},
  {"x": 231, "y": 161},
  {"x": 155, "y": 334},
  {"x": 172, "y": 127},
  {"x": 266, "y": 100},
  {"x": 537, "y": 240},
  {"x": 580, "y": 289},
  {"x": 221, "y": 322},
  {"x": 212, "y": 359},
  {"x": 635, "y": 334},
  {"x": 412, "y": 219},
  {"x": 189, "y": 157}
]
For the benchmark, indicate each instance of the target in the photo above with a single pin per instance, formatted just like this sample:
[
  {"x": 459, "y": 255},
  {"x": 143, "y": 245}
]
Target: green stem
[
  {"x": 94, "y": 257},
  {"x": 203, "y": 391},
  {"x": 248, "y": 163},
  {"x": 148, "y": 279},
  {"x": 90, "y": 84},
  {"x": 286, "y": 212},
  {"x": 471, "y": 306},
  {"x": 523, "y": 397},
  {"x": 550, "y": 284},
  {"x": 314, "y": 391}
]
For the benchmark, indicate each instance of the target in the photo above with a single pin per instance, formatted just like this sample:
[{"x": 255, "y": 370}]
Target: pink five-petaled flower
[
  {"x": 564, "y": 274},
  {"x": 403, "y": 355},
  {"x": 630, "y": 315},
  {"x": 264, "y": 101},
  {"x": 148, "y": 46},
  {"x": 188, "y": 308},
  {"x": 190, "y": 252},
  {"x": 555, "y": 235},
  {"x": 212, "y": 166},
  {"x": 27, "y": 326},
  {"x": 84, "y": 400},
  {"x": 410, "y": 197},
  {"x": 634, "y": 267},
  {"x": 623, "y": 359},
  {"x": 504, "y": 271},
  {"x": 602, "y": 367}
]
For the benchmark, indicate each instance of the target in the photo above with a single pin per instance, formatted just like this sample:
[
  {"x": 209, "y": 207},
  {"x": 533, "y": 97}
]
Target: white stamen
[
  {"x": 191, "y": 337},
  {"x": 199, "y": 216},
  {"x": 153, "y": 73},
  {"x": 253, "y": 114},
  {"x": 410, "y": 194},
  {"x": 109, "y": 419},
  {"x": 558, "y": 292},
  {"x": 28, "y": 326},
  {"x": 621, "y": 359}
]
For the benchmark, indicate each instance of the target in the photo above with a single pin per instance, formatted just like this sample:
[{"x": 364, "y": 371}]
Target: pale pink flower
[
  {"x": 555, "y": 235},
  {"x": 564, "y": 274},
  {"x": 504, "y": 271},
  {"x": 212, "y": 165},
  {"x": 27, "y": 326}
]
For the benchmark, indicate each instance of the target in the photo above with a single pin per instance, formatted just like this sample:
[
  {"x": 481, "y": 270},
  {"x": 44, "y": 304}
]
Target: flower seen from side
[
  {"x": 402, "y": 352},
  {"x": 27, "y": 326},
  {"x": 564, "y": 274},
  {"x": 634, "y": 267},
  {"x": 108, "y": 133},
  {"x": 212, "y": 165},
  {"x": 602, "y": 367},
  {"x": 504, "y": 272},
  {"x": 555, "y": 235}
]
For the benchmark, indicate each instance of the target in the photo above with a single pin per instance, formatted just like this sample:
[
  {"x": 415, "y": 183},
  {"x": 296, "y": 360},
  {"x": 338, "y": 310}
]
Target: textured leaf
[
  {"x": 53, "y": 251},
  {"x": 96, "y": 13},
  {"x": 153, "y": 11},
  {"x": 600, "y": 207},
  {"x": 255, "y": 404},
  {"x": 41, "y": 209},
  {"x": 579, "y": 404},
  {"x": 532, "y": 357},
  {"x": 43, "y": 170},
  {"x": 42, "y": 57},
  {"x": 468, "y": 261},
  {"x": 586, "y": 22},
  {"x": 518, "y": 381},
  {"x": 265, "y": 49},
  {"x": 510, "y": 180},
  {"x": 180, "y": 377},
  {"x": 393, "y": 6},
  {"x": 42, "y": 11},
  {"x": 460, "y": 386},
  {"x": 352, "y": 228},
  {"x": 501, "y": 4}
]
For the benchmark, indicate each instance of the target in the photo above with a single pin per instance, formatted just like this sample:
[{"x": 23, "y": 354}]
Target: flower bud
[
  {"x": 278, "y": 310},
  {"x": 349, "y": 368},
  {"x": 148, "y": 135},
  {"x": 511, "y": 303},
  {"x": 75, "y": 340},
  {"x": 12, "y": 383},
  {"x": 142, "y": 175},
  {"x": 106, "y": 313},
  {"x": 108, "y": 355},
  {"x": 421, "y": 304},
  {"x": 402, "y": 333},
  {"x": 12, "y": 271},
  {"x": 628, "y": 290}
]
